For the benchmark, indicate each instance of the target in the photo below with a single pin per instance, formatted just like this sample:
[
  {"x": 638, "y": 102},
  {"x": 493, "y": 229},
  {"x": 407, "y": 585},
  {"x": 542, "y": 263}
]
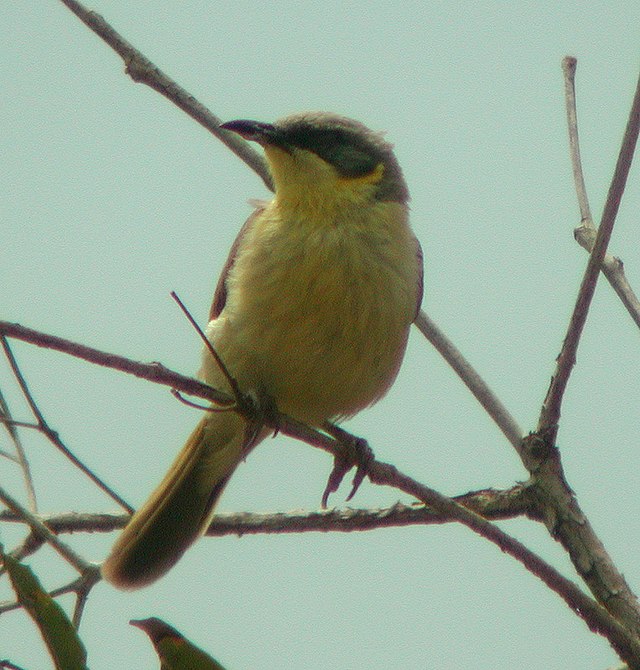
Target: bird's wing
[
  {"x": 220, "y": 295},
  {"x": 419, "y": 257}
]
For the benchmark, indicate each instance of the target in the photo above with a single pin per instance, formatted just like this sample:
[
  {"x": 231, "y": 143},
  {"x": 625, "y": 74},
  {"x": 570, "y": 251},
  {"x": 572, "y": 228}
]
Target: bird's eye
[
  {"x": 337, "y": 147},
  {"x": 352, "y": 161}
]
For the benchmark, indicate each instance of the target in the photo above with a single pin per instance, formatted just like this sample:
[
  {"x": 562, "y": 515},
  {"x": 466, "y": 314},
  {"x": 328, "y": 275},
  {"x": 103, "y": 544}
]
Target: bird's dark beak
[{"x": 255, "y": 131}]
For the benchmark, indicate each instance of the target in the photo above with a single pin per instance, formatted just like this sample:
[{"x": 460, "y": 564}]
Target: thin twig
[
  {"x": 8, "y": 665},
  {"x": 61, "y": 547},
  {"x": 153, "y": 372},
  {"x": 21, "y": 456},
  {"x": 483, "y": 394},
  {"x": 585, "y": 233},
  {"x": 4, "y": 453},
  {"x": 81, "y": 586},
  {"x": 18, "y": 424},
  {"x": 52, "y": 435},
  {"x": 203, "y": 408},
  {"x": 569, "y": 68},
  {"x": 613, "y": 270},
  {"x": 142, "y": 70},
  {"x": 233, "y": 384},
  {"x": 550, "y": 415},
  {"x": 9, "y": 606},
  {"x": 194, "y": 405},
  {"x": 29, "y": 545},
  {"x": 12, "y": 605}
]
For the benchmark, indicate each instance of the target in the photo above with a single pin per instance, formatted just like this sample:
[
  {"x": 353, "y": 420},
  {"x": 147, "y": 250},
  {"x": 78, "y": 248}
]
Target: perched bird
[{"x": 312, "y": 312}]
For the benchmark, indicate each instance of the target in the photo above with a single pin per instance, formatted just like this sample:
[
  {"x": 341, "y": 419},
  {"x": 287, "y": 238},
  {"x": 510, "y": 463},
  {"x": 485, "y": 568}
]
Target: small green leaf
[
  {"x": 174, "y": 650},
  {"x": 61, "y": 638}
]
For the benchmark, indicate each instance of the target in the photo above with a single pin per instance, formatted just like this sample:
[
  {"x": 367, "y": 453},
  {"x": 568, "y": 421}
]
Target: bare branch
[
  {"x": 21, "y": 456},
  {"x": 30, "y": 544},
  {"x": 585, "y": 233},
  {"x": 483, "y": 394},
  {"x": 564, "y": 518},
  {"x": 63, "y": 549},
  {"x": 81, "y": 586},
  {"x": 16, "y": 424},
  {"x": 8, "y": 665},
  {"x": 142, "y": 70},
  {"x": 568, "y": 524},
  {"x": 153, "y": 372},
  {"x": 233, "y": 384},
  {"x": 613, "y": 270},
  {"x": 52, "y": 435},
  {"x": 492, "y": 504},
  {"x": 550, "y": 415},
  {"x": 569, "y": 69}
]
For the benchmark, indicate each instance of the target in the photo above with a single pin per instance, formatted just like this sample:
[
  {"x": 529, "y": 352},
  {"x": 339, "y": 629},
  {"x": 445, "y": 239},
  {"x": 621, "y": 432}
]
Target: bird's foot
[
  {"x": 265, "y": 413},
  {"x": 359, "y": 454}
]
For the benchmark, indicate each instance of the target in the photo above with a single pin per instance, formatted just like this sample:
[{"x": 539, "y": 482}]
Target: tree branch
[
  {"x": 569, "y": 69},
  {"x": 53, "y": 437},
  {"x": 564, "y": 518},
  {"x": 550, "y": 415},
  {"x": 492, "y": 504},
  {"x": 483, "y": 394},
  {"x": 41, "y": 529},
  {"x": 384, "y": 474},
  {"x": 21, "y": 456},
  {"x": 585, "y": 233},
  {"x": 142, "y": 70}
]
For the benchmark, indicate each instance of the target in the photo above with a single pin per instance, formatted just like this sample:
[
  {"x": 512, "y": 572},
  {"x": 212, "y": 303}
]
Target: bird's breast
[{"x": 317, "y": 313}]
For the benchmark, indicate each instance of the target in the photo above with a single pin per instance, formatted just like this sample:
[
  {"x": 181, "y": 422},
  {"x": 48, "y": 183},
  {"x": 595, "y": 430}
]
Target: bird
[{"x": 311, "y": 314}]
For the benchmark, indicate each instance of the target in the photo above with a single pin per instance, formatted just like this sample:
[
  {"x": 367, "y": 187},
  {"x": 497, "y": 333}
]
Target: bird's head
[{"x": 322, "y": 157}]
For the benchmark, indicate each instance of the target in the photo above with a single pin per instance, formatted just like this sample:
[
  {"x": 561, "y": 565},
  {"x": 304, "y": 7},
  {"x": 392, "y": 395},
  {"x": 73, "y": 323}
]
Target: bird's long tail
[{"x": 180, "y": 508}]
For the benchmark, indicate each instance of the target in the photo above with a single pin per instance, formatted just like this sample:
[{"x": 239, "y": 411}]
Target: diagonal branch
[
  {"x": 550, "y": 415},
  {"x": 585, "y": 233},
  {"x": 41, "y": 529},
  {"x": 483, "y": 394},
  {"x": 21, "y": 456},
  {"x": 51, "y": 434},
  {"x": 142, "y": 70},
  {"x": 563, "y": 516}
]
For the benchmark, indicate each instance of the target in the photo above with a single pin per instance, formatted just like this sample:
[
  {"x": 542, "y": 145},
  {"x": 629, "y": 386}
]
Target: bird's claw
[
  {"x": 265, "y": 413},
  {"x": 360, "y": 454},
  {"x": 340, "y": 469},
  {"x": 364, "y": 458}
]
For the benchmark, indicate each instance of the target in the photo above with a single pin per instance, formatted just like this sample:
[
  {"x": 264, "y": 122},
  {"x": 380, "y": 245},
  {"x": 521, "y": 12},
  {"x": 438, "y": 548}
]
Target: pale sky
[{"x": 112, "y": 197}]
